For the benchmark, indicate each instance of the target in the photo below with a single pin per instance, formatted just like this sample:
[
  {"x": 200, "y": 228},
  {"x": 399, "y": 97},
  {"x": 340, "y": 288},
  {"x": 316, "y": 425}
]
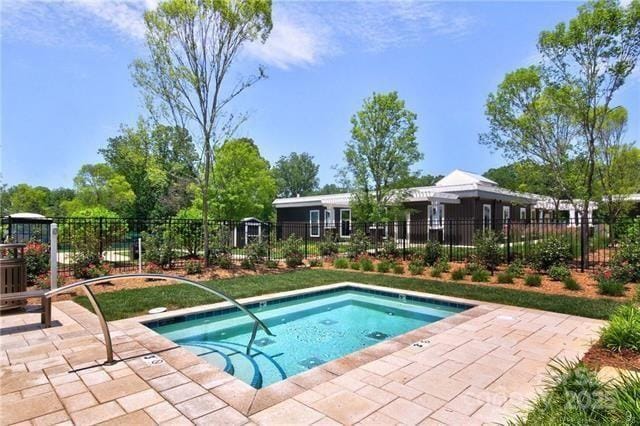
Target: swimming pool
[{"x": 309, "y": 329}]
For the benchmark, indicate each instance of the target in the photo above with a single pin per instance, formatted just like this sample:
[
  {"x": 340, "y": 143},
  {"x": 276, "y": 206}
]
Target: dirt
[{"x": 598, "y": 357}]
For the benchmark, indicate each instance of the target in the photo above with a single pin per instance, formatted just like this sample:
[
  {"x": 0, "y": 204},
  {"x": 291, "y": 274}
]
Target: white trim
[
  {"x": 523, "y": 210},
  {"x": 311, "y": 224},
  {"x": 507, "y": 210},
  {"x": 407, "y": 231},
  {"x": 487, "y": 224},
  {"x": 341, "y": 222},
  {"x": 246, "y": 231},
  {"x": 329, "y": 222}
]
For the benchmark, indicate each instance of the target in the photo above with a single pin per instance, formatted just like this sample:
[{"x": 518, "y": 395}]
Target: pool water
[{"x": 309, "y": 331}]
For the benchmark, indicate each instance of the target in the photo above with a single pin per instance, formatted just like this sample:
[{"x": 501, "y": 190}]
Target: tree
[
  {"x": 98, "y": 185},
  {"x": 241, "y": 184},
  {"x": 192, "y": 46},
  {"x": 422, "y": 180},
  {"x": 296, "y": 174},
  {"x": 379, "y": 156},
  {"x": 330, "y": 188},
  {"x": 26, "y": 198}
]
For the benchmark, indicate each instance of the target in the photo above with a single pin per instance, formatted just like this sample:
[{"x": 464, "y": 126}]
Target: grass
[
  {"x": 533, "y": 280},
  {"x": 134, "y": 302},
  {"x": 623, "y": 330}
]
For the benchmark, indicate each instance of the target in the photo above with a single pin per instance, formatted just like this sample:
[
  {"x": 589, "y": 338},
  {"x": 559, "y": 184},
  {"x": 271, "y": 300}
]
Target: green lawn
[{"x": 129, "y": 303}]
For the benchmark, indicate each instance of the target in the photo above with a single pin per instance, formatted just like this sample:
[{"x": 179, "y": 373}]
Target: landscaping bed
[{"x": 598, "y": 357}]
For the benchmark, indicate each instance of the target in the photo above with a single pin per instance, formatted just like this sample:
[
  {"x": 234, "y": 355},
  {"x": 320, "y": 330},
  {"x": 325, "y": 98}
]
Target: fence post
[
  {"x": 100, "y": 236},
  {"x": 53, "y": 256},
  {"x": 269, "y": 241},
  {"x": 139, "y": 255},
  {"x": 404, "y": 241},
  {"x": 508, "y": 240},
  {"x": 584, "y": 242},
  {"x": 306, "y": 240},
  {"x": 170, "y": 244},
  {"x": 450, "y": 233}
]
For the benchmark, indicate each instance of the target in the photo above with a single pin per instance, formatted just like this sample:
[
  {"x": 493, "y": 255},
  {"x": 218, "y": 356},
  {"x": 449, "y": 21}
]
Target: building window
[
  {"x": 506, "y": 213},
  {"x": 252, "y": 233},
  {"x": 314, "y": 223},
  {"x": 523, "y": 213},
  {"x": 328, "y": 219},
  {"x": 486, "y": 216},
  {"x": 436, "y": 216},
  {"x": 345, "y": 223}
]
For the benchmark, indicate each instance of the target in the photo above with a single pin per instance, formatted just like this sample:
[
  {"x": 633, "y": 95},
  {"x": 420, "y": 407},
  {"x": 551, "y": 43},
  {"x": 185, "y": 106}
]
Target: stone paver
[{"x": 478, "y": 367}]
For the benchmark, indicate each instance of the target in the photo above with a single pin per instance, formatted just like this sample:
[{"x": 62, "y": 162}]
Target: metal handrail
[{"x": 103, "y": 323}]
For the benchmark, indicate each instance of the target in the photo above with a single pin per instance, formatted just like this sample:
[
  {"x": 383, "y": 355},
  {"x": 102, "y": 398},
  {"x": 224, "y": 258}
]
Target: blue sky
[{"x": 66, "y": 85}]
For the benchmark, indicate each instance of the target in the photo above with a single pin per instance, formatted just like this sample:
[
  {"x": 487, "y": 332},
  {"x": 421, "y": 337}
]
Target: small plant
[
  {"x": 222, "y": 259},
  {"x": 89, "y": 265},
  {"x": 248, "y": 264},
  {"x": 488, "y": 251},
  {"x": 355, "y": 266},
  {"x": 505, "y": 278},
  {"x": 559, "y": 273},
  {"x": 458, "y": 274},
  {"x": 480, "y": 276},
  {"x": 383, "y": 266},
  {"x": 432, "y": 253},
  {"x": 358, "y": 244},
  {"x": 152, "y": 268},
  {"x": 472, "y": 267},
  {"x": 341, "y": 263},
  {"x": 292, "y": 251},
  {"x": 315, "y": 262},
  {"x": 256, "y": 253},
  {"x": 193, "y": 267},
  {"x": 366, "y": 264},
  {"x": 328, "y": 246},
  {"x": 398, "y": 268},
  {"x": 435, "y": 272},
  {"x": 390, "y": 250},
  {"x": 551, "y": 251},
  {"x": 625, "y": 395},
  {"x": 36, "y": 258},
  {"x": 516, "y": 269},
  {"x": 628, "y": 255},
  {"x": 416, "y": 267},
  {"x": 272, "y": 264},
  {"x": 611, "y": 287},
  {"x": 623, "y": 330},
  {"x": 571, "y": 284},
  {"x": 443, "y": 265},
  {"x": 533, "y": 280}
]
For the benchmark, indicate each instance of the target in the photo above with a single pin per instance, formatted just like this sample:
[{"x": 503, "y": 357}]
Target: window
[
  {"x": 252, "y": 232},
  {"x": 506, "y": 213},
  {"x": 523, "y": 213},
  {"x": 314, "y": 223},
  {"x": 436, "y": 215},
  {"x": 345, "y": 223},
  {"x": 486, "y": 216},
  {"x": 328, "y": 219}
]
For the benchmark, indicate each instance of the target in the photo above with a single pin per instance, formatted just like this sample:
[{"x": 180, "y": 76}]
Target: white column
[
  {"x": 53, "y": 253},
  {"x": 408, "y": 231}
]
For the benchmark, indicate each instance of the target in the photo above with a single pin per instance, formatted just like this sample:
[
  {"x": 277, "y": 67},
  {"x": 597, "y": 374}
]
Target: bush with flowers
[
  {"x": 153, "y": 268},
  {"x": 36, "y": 256},
  {"x": 89, "y": 265}
]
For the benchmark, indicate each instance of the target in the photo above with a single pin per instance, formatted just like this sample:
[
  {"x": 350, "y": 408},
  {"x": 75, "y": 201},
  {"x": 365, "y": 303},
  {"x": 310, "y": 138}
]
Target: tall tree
[
  {"x": 192, "y": 46},
  {"x": 98, "y": 185},
  {"x": 296, "y": 174},
  {"x": 380, "y": 154},
  {"x": 30, "y": 199}
]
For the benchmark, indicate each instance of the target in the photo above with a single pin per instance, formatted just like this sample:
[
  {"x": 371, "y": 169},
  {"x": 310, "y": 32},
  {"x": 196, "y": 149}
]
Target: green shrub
[
  {"x": 256, "y": 252},
  {"x": 192, "y": 267},
  {"x": 505, "y": 278},
  {"x": 416, "y": 267},
  {"x": 480, "y": 276},
  {"x": 383, "y": 266},
  {"x": 398, "y": 268},
  {"x": 571, "y": 284},
  {"x": 355, "y": 266},
  {"x": 435, "y": 272},
  {"x": 559, "y": 273},
  {"x": 390, "y": 250},
  {"x": 328, "y": 245},
  {"x": 549, "y": 252},
  {"x": 247, "y": 263},
  {"x": 36, "y": 257},
  {"x": 625, "y": 395},
  {"x": 315, "y": 262},
  {"x": 341, "y": 263},
  {"x": 366, "y": 264},
  {"x": 149, "y": 268},
  {"x": 458, "y": 274},
  {"x": 627, "y": 258},
  {"x": 488, "y": 250},
  {"x": 471, "y": 267},
  {"x": 157, "y": 246},
  {"x": 358, "y": 244},
  {"x": 272, "y": 264},
  {"x": 443, "y": 265},
  {"x": 533, "y": 280},
  {"x": 431, "y": 253},
  {"x": 221, "y": 259},
  {"x": 89, "y": 265},
  {"x": 516, "y": 268},
  {"x": 608, "y": 286},
  {"x": 623, "y": 330},
  {"x": 292, "y": 251}
]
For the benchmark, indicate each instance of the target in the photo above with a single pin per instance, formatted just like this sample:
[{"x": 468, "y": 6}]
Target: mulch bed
[{"x": 598, "y": 357}]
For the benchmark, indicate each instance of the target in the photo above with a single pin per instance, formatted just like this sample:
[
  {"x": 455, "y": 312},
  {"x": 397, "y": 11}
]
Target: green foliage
[
  {"x": 443, "y": 265},
  {"x": 366, "y": 264},
  {"x": 488, "y": 252},
  {"x": 390, "y": 249},
  {"x": 256, "y": 252},
  {"x": 505, "y": 278},
  {"x": 416, "y": 267},
  {"x": 36, "y": 258},
  {"x": 398, "y": 268},
  {"x": 158, "y": 246},
  {"x": 99, "y": 186},
  {"x": 292, "y": 251},
  {"x": 221, "y": 259},
  {"x": 551, "y": 251},
  {"x": 627, "y": 258},
  {"x": 383, "y": 266},
  {"x": 328, "y": 245},
  {"x": 609, "y": 286},
  {"x": 314, "y": 262},
  {"x": 626, "y": 399},
  {"x": 247, "y": 263},
  {"x": 193, "y": 267},
  {"x": 379, "y": 156},
  {"x": 358, "y": 243},
  {"x": 516, "y": 269},
  {"x": 480, "y": 276},
  {"x": 571, "y": 284},
  {"x": 559, "y": 273},
  {"x": 88, "y": 265},
  {"x": 623, "y": 330},
  {"x": 152, "y": 268},
  {"x": 273, "y": 264},
  {"x": 355, "y": 266},
  {"x": 296, "y": 174},
  {"x": 341, "y": 263},
  {"x": 432, "y": 252},
  {"x": 471, "y": 267},
  {"x": 458, "y": 274},
  {"x": 533, "y": 280},
  {"x": 435, "y": 272},
  {"x": 188, "y": 231}
]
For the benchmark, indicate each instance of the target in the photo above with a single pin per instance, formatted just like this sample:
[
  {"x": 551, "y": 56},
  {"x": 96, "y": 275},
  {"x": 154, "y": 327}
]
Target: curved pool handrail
[{"x": 103, "y": 323}]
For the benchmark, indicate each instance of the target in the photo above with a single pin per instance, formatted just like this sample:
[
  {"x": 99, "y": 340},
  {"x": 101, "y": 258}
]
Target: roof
[
  {"x": 29, "y": 216},
  {"x": 460, "y": 177}
]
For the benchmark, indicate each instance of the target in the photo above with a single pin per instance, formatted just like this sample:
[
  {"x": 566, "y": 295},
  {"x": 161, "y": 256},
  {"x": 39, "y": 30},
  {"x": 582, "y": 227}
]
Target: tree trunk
[{"x": 205, "y": 200}]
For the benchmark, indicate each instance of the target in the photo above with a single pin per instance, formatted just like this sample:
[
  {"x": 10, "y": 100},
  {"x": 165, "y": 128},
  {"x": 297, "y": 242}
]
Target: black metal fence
[{"x": 171, "y": 242}]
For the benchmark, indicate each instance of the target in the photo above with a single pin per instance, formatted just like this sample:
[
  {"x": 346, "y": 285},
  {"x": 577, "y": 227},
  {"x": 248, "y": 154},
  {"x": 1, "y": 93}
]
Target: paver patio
[{"x": 476, "y": 367}]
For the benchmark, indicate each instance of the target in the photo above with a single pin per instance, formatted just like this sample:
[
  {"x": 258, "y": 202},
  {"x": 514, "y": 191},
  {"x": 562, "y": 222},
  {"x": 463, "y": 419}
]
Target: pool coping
[{"x": 249, "y": 400}]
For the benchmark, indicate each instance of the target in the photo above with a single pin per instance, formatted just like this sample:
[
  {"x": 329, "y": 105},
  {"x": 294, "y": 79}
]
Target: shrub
[
  {"x": 458, "y": 274},
  {"x": 416, "y": 267},
  {"x": 221, "y": 259},
  {"x": 431, "y": 253},
  {"x": 383, "y": 266},
  {"x": 628, "y": 255},
  {"x": 390, "y": 250},
  {"x": 366, "y": 264},
  {"x": 256, "y": 252},
  {"x": 443, "y": 265},
  {"x": 516, "y": 269},
  {"x": 341, "y": 263},
  {"x": 272, "y": 264},
  {"x": 505, "y": 278},
  {"x": 193, "y": 267},
  {"x": 292, "y": 252},
  {"x": 88, "y": 265},
  {"x": 608, "y": 285},
  {"x": 488, "y": 251},
  {"x": 358, "y": 244},
  {"x": 157, "y": 246},
  {"x": 472, "y": 267},
  {"x": 480, "y": 276},
  {"x": 152, "y": 268},
  {"x": 355, "y": 266},
  {"x": 559, "y": 273},
  {"x": 328, "y": 246},
  {"x": 533, "y": 280},
  {"x": 36, "y": 257},
  {"x": 435, "y": 272},
  {"x": 315, "y": 262},
  {"x": 398, "y": 269},
  {"x": 623, "y": 330},
  {"x": 625, "y": 396},
  {"x": 549, "y": 252},
  {"x": 571, "y": 284},
  {"x": 247, "y": 263}
]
